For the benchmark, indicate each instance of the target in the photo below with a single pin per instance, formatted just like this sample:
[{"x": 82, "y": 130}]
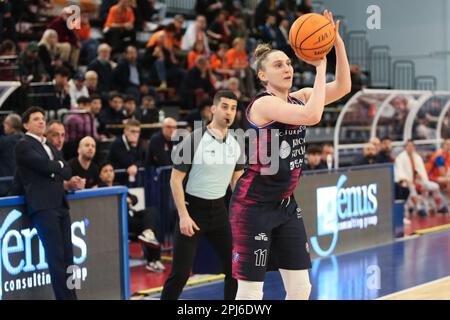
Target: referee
[{"x": 210, "y": 159}]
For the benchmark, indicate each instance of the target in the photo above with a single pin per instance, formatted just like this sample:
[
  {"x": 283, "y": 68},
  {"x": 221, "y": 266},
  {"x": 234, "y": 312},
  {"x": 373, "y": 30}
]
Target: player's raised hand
[{"x": 329, "y": 15}]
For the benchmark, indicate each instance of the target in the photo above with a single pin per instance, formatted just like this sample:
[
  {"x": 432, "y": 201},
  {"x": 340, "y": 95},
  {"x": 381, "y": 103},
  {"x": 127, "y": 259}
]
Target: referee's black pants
[{"x": 212, "y": 218}]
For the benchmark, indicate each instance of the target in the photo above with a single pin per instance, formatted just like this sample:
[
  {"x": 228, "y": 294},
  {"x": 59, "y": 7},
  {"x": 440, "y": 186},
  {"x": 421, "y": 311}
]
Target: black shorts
[{"x": 268, "y": 237}]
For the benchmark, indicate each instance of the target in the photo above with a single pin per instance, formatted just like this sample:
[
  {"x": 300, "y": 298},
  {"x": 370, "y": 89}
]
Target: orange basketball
[{"x": 312, "y": 36}]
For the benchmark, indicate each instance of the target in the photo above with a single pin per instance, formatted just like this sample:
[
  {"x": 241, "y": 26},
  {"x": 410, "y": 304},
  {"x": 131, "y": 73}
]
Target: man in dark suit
[
  {"x": 161, "y": 144},
  {"x": 40, "y": 171}
]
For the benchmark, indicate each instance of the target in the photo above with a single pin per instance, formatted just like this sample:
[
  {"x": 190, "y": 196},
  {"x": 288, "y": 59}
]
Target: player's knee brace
[
  {"x": 296, "y": 284},
  {"x": 249, "y": 290}
]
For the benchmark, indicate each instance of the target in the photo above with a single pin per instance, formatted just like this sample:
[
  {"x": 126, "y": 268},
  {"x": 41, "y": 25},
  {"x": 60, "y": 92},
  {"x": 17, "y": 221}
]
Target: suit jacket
[
  {"x": 104, "y": 72},
  {"x": 40, "y": 178},
  {"x": 121, "y": 75}
]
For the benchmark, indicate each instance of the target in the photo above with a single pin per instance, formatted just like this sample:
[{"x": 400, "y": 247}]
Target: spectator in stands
[
  {"x": 232, "y": 84},
  {"x": 88, "y": 44},
  {"x": 126, "y": 152},
  {"x": 80, "y": 124},
  {"x": 77, "y": 89},
  {"x": 195, "y": 32},
  {"x": 385, "y": 154},
  {"x": 96, "y": 107},
  {"x": 368, "y": 156},
  {"x": 129, "y": 107},
  {"x": 84, "y": 166},
  {"x": 8, "y": 56},
  {"x": 304, "y": 7},
  {"x": 51, "y": 52},
  {"x": 148, "y": 112},
  {"x": 218, "y": 64},
  {"x": 411, "y": 173},
  {"x": 67, "y": 35},
  {"x": 60, "y": 98},
  {"x": 218, "y": 31},
  {"x": 128, "y": 74},
  {"x": 313, "y": 159},
  {"x": 12, "y": 128},
  {"x": 112, "y": 114},
  {"x": 149, "y": 14},
  {"x": 262, "y": 10},
  {"x": 161, "y": 60},
  {"x": 358, "y": 79},
  {"x": 236, "y": 58},
  {"x": 237, "y": 27},
  {"x": 178, "y": 33},
  {"x": 92, "y": 82},
  {"x": 119, "y": 26},
  {"x": 269, "y": 31},
  {"x": 140, "y": 222},
  {"x": 31, "y": 67},
  {"x": 199, "y": 50},
  {"x": 103, "y": 66},
  {"x": 438, "y": 167},
  {"x": 7, "y": 21},
  {"x": 199, "y": 82},
  {"x": 161, "y": 145},
  {"x": 377, "y": 143},
  {"x": 328, "y": 155},
  {"x": 202, "y": 113},
  {"x": 283, "y": 38}
]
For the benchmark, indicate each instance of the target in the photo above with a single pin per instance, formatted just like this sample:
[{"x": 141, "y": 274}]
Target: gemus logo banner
[
  {"x": 341, "y": 208},
  {"x": 22, "y": 270}
]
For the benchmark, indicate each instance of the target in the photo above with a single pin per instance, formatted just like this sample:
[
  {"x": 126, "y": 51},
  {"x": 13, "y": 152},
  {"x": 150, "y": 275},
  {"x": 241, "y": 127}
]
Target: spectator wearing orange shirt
[
  {"x": 217, "y": 62},
  {"x": 199, "y": 50},
  {"x": 119, "y": 26},
  {"x": 236, "y": 59},
  {"x": 88, "y": 45}
]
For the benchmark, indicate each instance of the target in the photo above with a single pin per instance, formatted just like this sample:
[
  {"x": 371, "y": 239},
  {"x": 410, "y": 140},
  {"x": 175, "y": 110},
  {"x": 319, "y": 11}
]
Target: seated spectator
[
  {"x": 438, "y": 167},
  {"x": 83, "y": 166},
  {"x": 269, "y": 31},
  {"x": 67, "y": 35},
  {"x": 369, "y": 155},
  {"x": 328, "y": 155},
  {"x": 385, "y": 154},
  {"x": 7, "y": 21},
  {"x": 283, "y": 38},
  {"x": 103, "y": 66},
  {"x": 139, "y": 222},
  {"x": 199, "y": 51},
  {"x": 119, "y": 26},
  {"x": 237, "y": 27},
  {"x": 31, "y": 68},
  {"x": 51, "y": 52},
  {"x": 411, "y": 173},
  {"x": 199, "y": 83},
  {"x": 218, "y": 31},
  {"x": 80, "y": 124},
  {"x": 218, "y": 64},
  {"x": 313, "y": 159},
  {"x": 112, "y": 114},
  {"x": 148, "y": 13},
  {"x": 239, "y": 122},
  {"x": 377, "y": 144},
  {"x": 12, "y": 128},
  {"x": 179, "y": 33},
  {"x": 88, "y": 44},
  {"x": 304, "y": 7},
  {"x": 236, "y": 58},
  {"x": 202, "y": 113},
  {"x": 127, "y": 153},
  {"x": 148, "y": 112},
  {"x": 8, "y": 56},
  {"x": 58, "y": 97},
  {"x": 209, "y": 8},
  {"x": 92, "y": 82},
  {"x": 77, "y": 89},
  {"x": 161, "y": 60},
  {"x": 129, "y": 107},
  {"x": 195, "y": 32},
  {"x": 127, "y": 76},
  {"x": 56, "y": 134},
  {"x": 161, "y": 145}
]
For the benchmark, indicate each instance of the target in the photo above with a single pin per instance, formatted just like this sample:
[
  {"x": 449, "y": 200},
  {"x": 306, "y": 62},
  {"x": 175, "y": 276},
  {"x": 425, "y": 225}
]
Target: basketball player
[{"x": 267, "y": 226}]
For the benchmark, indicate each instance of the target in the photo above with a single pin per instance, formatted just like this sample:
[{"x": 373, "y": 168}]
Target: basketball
[{"x": 312, "y": 36}]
